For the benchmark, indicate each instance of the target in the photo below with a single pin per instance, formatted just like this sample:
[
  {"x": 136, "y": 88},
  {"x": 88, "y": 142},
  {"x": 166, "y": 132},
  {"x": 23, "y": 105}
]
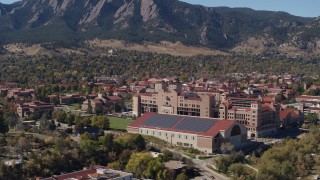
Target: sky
[{"x": 305, "y": 8}]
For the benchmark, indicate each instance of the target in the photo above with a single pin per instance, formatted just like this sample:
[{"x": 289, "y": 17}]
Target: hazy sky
[{"x": 306, "y": 8}]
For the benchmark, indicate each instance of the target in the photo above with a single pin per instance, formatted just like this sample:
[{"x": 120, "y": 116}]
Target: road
[{"x": 208, "y": 173}]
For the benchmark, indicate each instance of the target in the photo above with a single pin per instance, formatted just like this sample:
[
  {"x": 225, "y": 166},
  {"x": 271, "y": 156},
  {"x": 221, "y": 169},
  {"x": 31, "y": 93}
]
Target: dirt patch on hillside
[
  {"x": 165, "y": 47},
  {"x": 25, "y": 49}
]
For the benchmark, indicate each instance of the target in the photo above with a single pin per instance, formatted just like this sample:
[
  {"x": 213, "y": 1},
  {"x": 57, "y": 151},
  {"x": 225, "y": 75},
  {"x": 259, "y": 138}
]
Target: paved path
[
  {"x": 252, "y": 167},
  {"x": 210, "y": 172},
  {"x": 206, "y": 172}
]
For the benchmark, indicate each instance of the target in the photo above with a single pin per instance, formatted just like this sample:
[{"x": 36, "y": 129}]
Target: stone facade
[
  {"x": 261, "y": 119},
  {"x": 174, "y": 102}
]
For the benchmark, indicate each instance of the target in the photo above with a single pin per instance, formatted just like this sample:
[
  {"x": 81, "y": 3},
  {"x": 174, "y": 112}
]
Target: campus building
[
  {"x": 172, "y": 101},
  {"x": 204, "y": 134},
  {"x": 260, "y": 119},
  {"x": 36, "y": 108}
]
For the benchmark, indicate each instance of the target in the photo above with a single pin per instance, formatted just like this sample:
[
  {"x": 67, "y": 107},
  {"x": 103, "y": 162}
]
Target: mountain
[{"x": 233, "y": 29}]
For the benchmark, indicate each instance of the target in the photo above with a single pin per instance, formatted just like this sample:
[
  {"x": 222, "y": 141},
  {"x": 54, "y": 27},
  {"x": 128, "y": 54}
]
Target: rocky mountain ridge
[{"x": 229, "y": 29}]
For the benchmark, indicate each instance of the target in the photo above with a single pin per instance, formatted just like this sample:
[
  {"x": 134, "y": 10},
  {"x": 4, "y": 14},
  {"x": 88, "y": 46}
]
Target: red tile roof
[
  {"x": 97, "y": 101},
  {"x": 114, "y": 98},
  {"x": 268, "y": 99},
  {"x": 289, "y": 112},
  {"x": 266, "y": 107}
]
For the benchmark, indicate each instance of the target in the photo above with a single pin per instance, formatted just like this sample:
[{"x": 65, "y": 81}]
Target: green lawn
[
  {"x": 193, "y": 156},
  {"x": 119, "y": 123}
]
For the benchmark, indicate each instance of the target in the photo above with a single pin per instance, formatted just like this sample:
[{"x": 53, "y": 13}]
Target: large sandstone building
[
  {"x": 172, "y": 101},
  {"x": 259, "y": 115},
  {"x": 261, "y": 119}
]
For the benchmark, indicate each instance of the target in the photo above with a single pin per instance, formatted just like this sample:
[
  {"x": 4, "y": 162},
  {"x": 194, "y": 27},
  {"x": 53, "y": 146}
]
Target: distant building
[
  {"x": 96, "y": 172},
  {"x": 102, "y": 102},
  {"x": 204, "y": 134},
  {"x": 315, "y": 100},
  {"x": 21, "y": 95},
  {"x": 96, "y": 105},
  {"x": 71, "y": 99},
  {"x": 37, "y": 108}
]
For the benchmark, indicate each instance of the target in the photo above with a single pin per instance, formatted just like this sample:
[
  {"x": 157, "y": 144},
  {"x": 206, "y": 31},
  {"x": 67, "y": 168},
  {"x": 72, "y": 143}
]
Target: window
[
  {"x": 159, "y": 133},
  {"x": 147, "y": 132},
  {"x": 179, "y": 136},
  {"x": 140, "y": 131},
  {"x": 186, "y": 137},
  {"x": 192, "y": 137}
]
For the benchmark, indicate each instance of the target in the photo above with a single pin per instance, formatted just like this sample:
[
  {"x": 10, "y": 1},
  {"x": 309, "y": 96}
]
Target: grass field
[
  {"x": 119, "y": 123},
  {"x": 193, "y": 156}
]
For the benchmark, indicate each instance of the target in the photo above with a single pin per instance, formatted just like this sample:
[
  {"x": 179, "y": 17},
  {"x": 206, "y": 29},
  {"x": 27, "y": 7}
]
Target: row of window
[
  {"x": 147, "y": 101},
  {"x": 184, "y": 144},
  {"x": 190, "y": 105},
  {"x": 159, "y": 133}
]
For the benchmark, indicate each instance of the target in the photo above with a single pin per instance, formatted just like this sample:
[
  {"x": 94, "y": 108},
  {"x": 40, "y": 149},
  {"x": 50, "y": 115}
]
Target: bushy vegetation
[
  {"x": 70, "y": 70},
  {"x": 296, "y": 158}
]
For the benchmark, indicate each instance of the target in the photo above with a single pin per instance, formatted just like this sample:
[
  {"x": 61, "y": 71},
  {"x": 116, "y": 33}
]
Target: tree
[
  {"x": 11, "y": 119},
  {"x": 222, "y": 164},
  {"x": 107, "y": 142},
  {"x": 124, "y": 158},
  {"x": 115, "y": 165},
  {"x": 309, "y": 161},
  {"x": 227, "y": 148},
  {"x": 101, "y": 122},
  {"x": 3, "y": 126},
  {"x": 70, "y": 119},
  {"x": 90, "y": 147},
  {"x": 237, "y": 169},
  {"x": 138, "y": 164},
  {"x": 139, "y": 142},
  {"x": 89, "y": 111},
  {"x": 312, "y": 118},
  {"x": 154, "y": 166},
  {"x": 60, "y": 116},
  {"x": 24, "y": 144},
  {"x": 46, "y": 124},
  {"x": 182, "y": 176}
]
